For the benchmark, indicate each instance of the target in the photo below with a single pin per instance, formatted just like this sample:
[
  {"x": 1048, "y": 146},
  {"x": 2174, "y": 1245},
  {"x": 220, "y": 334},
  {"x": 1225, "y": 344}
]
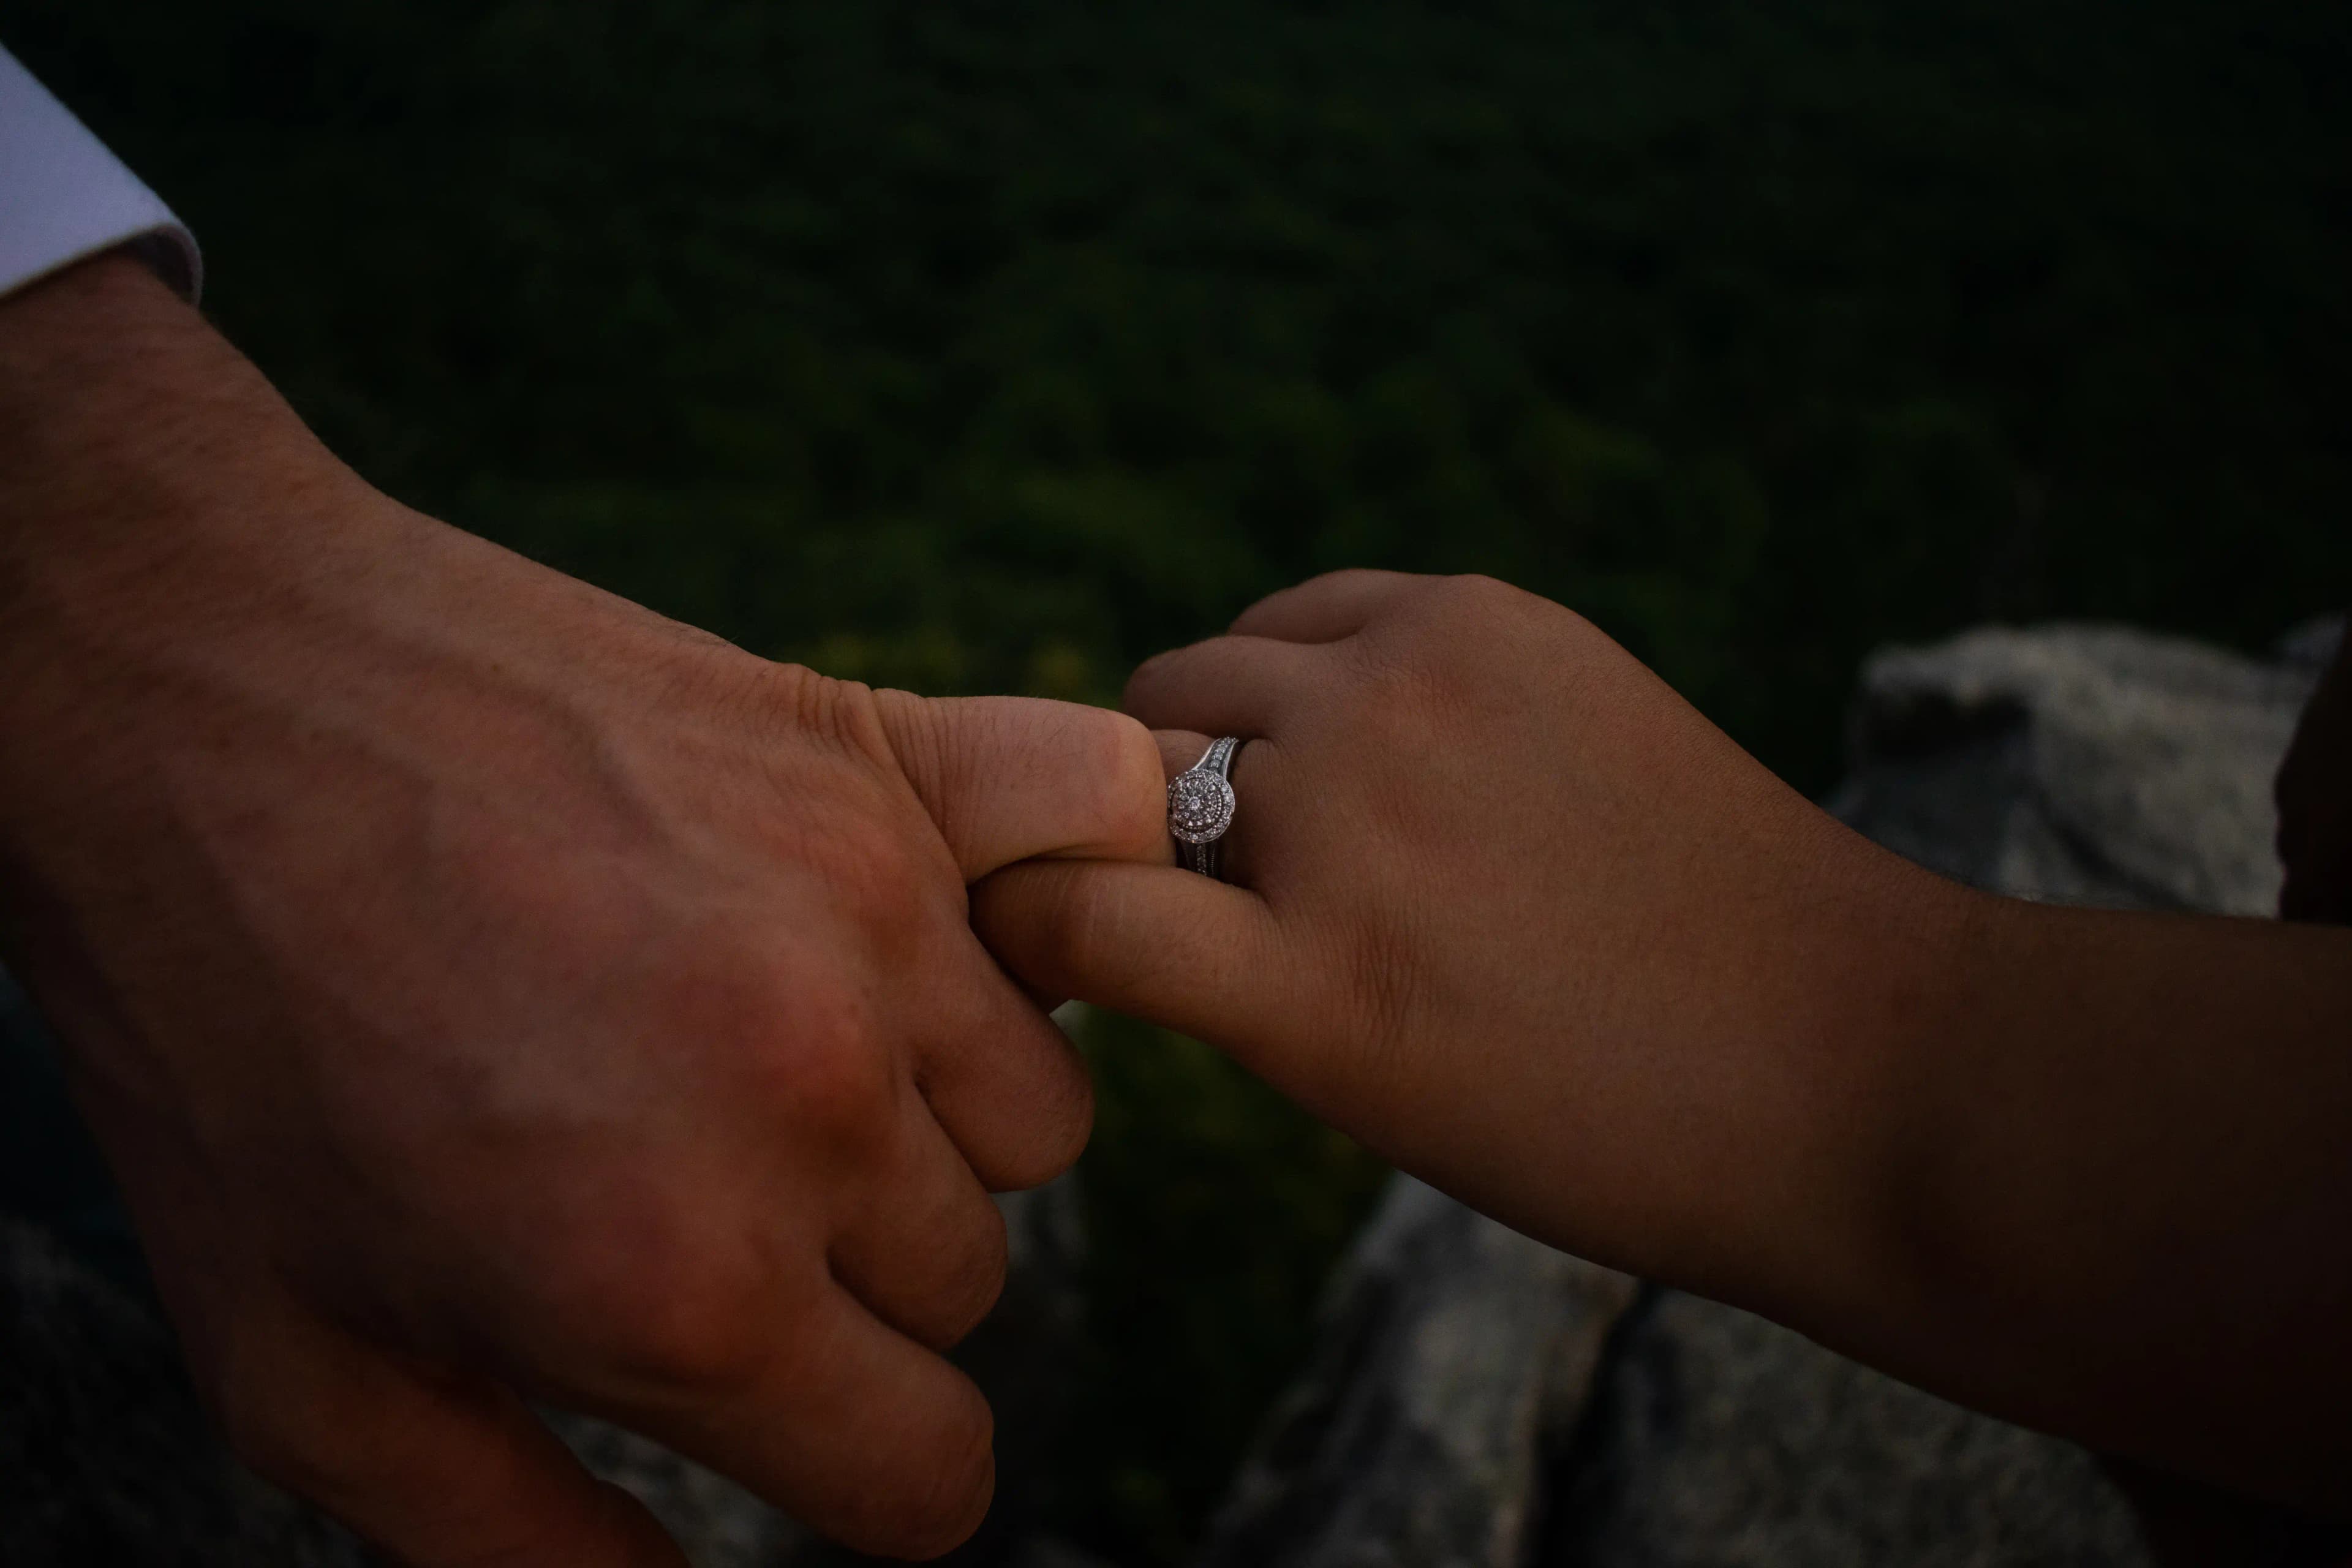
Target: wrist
[
  {"x": 1925, "y": 1213},
  {"x": 1878, "y": 968},
  {"x": 128, "y": 425},
  {"x": 150, "y": 481},
  {"x": 144, "y": 466}
]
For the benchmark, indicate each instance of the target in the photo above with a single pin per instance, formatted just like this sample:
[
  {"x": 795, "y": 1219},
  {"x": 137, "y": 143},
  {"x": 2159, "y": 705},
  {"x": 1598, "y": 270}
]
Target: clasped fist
[{"x": 490, "y": 993}]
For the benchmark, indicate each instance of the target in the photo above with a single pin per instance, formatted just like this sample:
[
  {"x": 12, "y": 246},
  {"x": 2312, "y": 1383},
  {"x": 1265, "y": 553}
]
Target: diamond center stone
[{"x": 1199, "y": 806}]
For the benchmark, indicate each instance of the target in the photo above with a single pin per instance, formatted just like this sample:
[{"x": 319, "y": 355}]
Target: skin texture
[
  {"x": 488, "y": 990},
  {"x": 1510, "y": 912}
]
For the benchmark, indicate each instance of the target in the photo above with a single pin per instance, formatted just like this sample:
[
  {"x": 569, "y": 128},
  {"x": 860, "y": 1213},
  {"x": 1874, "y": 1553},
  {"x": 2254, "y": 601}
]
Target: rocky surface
[
  {"x": 1451, "y": 1343},
  {"x": 2082, "y": 764},
  {"x": 1455, "y": 1417}
]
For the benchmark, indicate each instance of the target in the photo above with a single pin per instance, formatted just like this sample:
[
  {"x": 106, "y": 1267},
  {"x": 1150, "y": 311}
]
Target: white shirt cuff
[{"x": 64, "y": 197}]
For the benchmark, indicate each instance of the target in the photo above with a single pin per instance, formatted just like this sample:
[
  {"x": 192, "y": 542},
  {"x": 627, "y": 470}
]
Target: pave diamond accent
[{"x": 1199, "y": 806}]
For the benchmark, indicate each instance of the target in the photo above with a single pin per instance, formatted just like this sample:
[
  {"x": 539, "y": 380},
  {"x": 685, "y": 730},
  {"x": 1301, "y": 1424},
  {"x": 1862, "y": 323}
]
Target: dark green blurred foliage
[
  {"x": 985, "y": 346},
  {"x": 994, "y": 346}
]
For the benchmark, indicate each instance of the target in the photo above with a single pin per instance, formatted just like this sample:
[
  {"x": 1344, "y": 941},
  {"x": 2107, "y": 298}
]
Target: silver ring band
[{"x": 1201, "y": 806}]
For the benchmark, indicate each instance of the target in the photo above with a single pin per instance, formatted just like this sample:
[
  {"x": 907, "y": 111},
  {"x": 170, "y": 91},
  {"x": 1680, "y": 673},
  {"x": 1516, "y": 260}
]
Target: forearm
[
  {"x": 155, "y": 493},
  {"x": 151, "y": 479},
  {"x": 2113, "y": 1193},
  {"x": 212, "y": 636}
]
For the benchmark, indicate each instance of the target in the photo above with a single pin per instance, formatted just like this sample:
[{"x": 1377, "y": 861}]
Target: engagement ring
[{"x": 1201, "y": 806}]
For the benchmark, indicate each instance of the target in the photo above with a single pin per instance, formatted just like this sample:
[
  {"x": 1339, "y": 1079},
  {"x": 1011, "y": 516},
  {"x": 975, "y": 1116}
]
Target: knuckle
[
  {"x": 1440, "y": 609},
  {"x": 1158, "y": 680},
  {"x": 654, "y": 1287},
  {"x": 963, "y": 1483},
  {"x": 686, "y": 1326},
  {"x": 1336, "y": 577},
  {"x": 1062, "y": 1134},
  {"x": 797, "y": 699},
  {"x": 1055, "y": 1126},
  {"x": 821, "y": 1061},
  {"x": 1136, "y": 697},
  {"x": 1476, "y": 587},
  {"x": 843, "y": 1080},
  {"x": 1418, "y": 680},
  {"x": 970, "y": 1280},
  {"x": 953, "y": 1494},
  {"x": 931, "y": 1489},
  {"x": 1468, "y": 592},
  {"x": 787, "y": 1026}
]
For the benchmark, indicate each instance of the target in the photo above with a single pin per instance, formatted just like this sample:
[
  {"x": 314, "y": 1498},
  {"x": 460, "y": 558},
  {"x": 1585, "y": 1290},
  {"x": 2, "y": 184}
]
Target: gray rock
[
  {"x": 2079, "y": 764},
  {"x": 717, "y": 1524},
  {"x": 1450, "y": 1343}
]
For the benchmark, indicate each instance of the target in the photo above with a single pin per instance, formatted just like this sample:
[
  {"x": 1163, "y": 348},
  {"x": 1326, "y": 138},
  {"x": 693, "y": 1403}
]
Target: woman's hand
[{"x": 1510, "y": 912}]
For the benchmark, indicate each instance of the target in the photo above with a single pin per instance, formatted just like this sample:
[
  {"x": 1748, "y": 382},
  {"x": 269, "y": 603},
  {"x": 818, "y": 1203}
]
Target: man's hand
[
  {"x": 1512, "y": 913},
  {"x": 489, "y": 991}
]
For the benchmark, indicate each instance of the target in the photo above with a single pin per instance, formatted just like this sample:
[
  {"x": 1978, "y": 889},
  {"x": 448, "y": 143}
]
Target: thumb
[{"x": 1012, "y": 778}]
